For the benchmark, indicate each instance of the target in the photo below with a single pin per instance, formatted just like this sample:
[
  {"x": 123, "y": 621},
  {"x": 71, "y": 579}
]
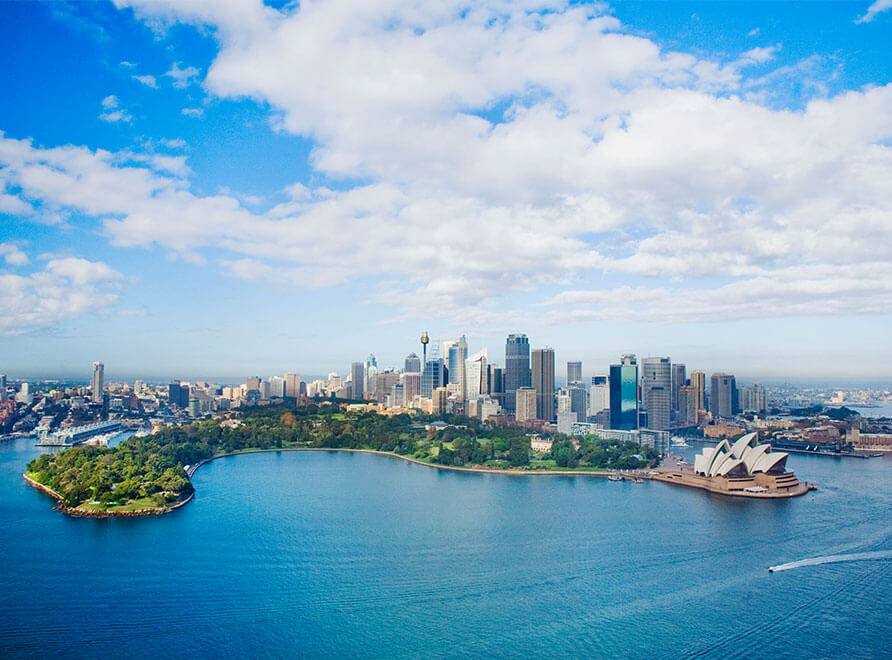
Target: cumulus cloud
[
  {"x": 148, "y": 81},
  {"x": 183, "y": 76},
  {"x": 12, "y": 255},
  {"x": 65, "y": 288},
  {"x": 197, "y": 113},
  {"x": 503, "y": 149},
  {"x": 112, "y": 110},
  {"x": 877, "y": 7}
]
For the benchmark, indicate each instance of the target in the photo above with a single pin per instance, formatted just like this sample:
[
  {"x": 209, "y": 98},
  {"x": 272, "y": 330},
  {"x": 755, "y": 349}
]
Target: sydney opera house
[{"x": 745, "y": 468}]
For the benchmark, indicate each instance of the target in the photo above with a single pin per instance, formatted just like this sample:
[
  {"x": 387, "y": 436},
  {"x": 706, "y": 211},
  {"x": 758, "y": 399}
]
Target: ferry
[{"x": 678, "y": 441}]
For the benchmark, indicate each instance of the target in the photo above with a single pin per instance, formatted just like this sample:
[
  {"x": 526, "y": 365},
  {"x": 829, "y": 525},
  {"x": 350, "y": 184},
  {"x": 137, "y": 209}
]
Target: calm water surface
[{"x": 333, "y": 554}]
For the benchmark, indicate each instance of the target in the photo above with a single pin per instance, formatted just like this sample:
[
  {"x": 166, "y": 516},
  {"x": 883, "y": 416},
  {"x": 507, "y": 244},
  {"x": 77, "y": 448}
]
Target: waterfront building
[
  {"x": 357, "y": 376},
  {"x": 476, "y": 376},
  {"x": 525, "y": 399},
  {"x": 98, "y": 382},
  {"x": 698, "y": 380},
  {"x": 574, "y": 372},
  {"x": 517, "y": 368},
  {"x": 292, "y": 385},
  {"x": 623, "y": 383},
  {"x": 723, "y": 395},
  {"x": 543, "y": 382},
  {"x": 656, "y": 388},
  {"x": 458, "y": 354},
  {"x": 412, "y": 364}
]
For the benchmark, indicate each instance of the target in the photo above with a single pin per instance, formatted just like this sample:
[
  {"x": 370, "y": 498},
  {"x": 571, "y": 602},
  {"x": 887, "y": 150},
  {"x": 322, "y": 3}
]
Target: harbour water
[{"x": 334, "y": 554}]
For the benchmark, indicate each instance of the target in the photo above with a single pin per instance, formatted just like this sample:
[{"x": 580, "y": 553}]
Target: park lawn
[{"x": 132, "y": 505}]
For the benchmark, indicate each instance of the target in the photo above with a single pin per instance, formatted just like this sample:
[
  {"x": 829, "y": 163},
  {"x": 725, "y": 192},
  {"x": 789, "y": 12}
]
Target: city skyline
[{"x": 652, "y": 178}]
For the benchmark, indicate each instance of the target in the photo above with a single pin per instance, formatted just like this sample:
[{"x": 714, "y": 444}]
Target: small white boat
[{"x": 678, "y": 441}]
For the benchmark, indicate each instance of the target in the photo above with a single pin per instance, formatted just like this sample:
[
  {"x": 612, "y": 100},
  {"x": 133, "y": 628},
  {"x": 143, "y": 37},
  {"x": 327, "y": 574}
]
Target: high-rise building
[
  {"x": 687, "y": 406},
  {"x": 542, "y": 362},
  {"x": 292, "y": 385},
  {"x": 413, "y": 364},
  {"x": 98, "y": 382},
  {"x": 253, "y": 384},
  {"x": 656, "y": 391},
  {"x": 623, "y": 384},
  {"x": 433, "y": 376},
  {"x": 517, "y": 368},
  {"x": 574, "y": 372},
  {"x": 753, "y": 398},
  {"x": 439, "y": 399},
  {"x": 357, "y": 375},
  {"x": 679, "y": 380},
  {"x": 495, "y": 384},
  {"x": 397, "y": 395},
  {"x": 723, "y": 395},
  {"x": 458, "y": 354},
  {"x": 578, "y": 401},
  {"x": 178, "y": 395},
  {"x": 698, "y": 380},
  {"x": 526, "y": 402},
  {"x": 277, "y": 387},
  {"x": 599, "y": 395},
  {"x": 476, "y": 376},
  {"x": 411, "y": 386},
  {"x": 2, "y": 387},
  {"x": 384, "y": 384}
]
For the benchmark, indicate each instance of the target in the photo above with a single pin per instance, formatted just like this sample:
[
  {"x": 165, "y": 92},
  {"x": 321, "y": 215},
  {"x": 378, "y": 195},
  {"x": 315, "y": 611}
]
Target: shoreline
[
  {"x": 80, "y": 513},
  {"x": 192, "y": 469}
]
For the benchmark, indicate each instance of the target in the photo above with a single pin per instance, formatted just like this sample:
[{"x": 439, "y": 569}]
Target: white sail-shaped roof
[{"x": 745, "y": 457}]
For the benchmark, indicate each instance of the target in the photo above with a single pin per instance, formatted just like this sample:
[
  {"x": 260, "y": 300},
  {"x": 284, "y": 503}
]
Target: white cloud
[
  {"x": 12, "y": 255},
  {"x": 877, "y": 7},
  {"x": 177, "y": 143},
  {"x": 193, "y": 112},
  {"x": 113, "y": 112},
  {"x": 505, "y": 149},
  {"x": 183, "y": 76},
  {"x": 66, "y": 288},
  {"x": 148, "y": 81}
]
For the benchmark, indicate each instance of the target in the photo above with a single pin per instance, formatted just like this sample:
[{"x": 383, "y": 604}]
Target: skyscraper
[
  {"x": 526, "y": 402},
  {"x": 698, "y": 380},
  {"x": 413, "y": 364},
  {"x": 687, "y": 406},
  {"x": 357, "y": 375},
  {"x": 495, "y": 384},
  {"x": 458, "y": 353},
  {"x": 98, "y": 382},
  {"x": 656, "y": 390},
  {"x": 574, "y": 372},
  {"x": 434, "y": 375},
  {"x": 178, "y": 395},
  {"x": 599, "y": 395},
  {"x": 679, "y": 380},
  {"x": 292, "y": 385},
  {"x": 723, "y": 395},
  {"x": 517, "y": 368},
  {"x": 543, "y": 382},
  {"x": 411, "y": 386},
  {"x": 623, "y": 384},
  {"x": 2, "y": 387},
  {"x": 476, "y": 376}
]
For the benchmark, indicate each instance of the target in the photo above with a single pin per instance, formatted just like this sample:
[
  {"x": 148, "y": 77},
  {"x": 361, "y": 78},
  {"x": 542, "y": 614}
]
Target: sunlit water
[{"x": 333, "y": 554}]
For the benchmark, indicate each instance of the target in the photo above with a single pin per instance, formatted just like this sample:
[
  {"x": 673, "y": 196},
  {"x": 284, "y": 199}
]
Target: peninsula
[{"x": 151, "y": 475}]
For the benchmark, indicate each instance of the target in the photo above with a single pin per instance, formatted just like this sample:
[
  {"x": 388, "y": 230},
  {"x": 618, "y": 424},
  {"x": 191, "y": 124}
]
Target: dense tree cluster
[{"x": 153, "y": 467}]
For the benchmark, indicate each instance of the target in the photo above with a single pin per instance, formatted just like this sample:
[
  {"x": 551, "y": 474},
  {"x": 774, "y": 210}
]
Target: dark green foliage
[{"x": 153, "y": 466}]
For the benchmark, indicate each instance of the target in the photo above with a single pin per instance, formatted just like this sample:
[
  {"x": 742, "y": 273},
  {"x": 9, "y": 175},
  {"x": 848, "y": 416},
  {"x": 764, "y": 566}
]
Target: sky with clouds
[{"x": 222, "y": 188}]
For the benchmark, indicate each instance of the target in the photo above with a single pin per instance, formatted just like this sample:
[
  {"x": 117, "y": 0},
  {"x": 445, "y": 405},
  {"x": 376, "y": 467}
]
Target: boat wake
[{"x": 832, "y": 559}]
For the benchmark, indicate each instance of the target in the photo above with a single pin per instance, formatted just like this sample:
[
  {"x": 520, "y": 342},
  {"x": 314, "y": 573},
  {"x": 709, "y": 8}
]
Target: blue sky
[{"x": 197, "y": 188}]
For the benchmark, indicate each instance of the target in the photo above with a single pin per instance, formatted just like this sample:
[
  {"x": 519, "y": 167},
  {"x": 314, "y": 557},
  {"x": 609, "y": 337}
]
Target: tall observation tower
[{"x": 425, "y": 340}]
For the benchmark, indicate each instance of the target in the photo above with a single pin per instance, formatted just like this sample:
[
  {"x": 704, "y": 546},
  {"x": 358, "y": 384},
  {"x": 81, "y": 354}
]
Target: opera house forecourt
[{"x": 744, "y": 469}]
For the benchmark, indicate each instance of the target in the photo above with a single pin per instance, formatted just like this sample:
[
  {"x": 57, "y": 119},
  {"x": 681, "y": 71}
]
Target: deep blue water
[{"x": 333, "y": 554}]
